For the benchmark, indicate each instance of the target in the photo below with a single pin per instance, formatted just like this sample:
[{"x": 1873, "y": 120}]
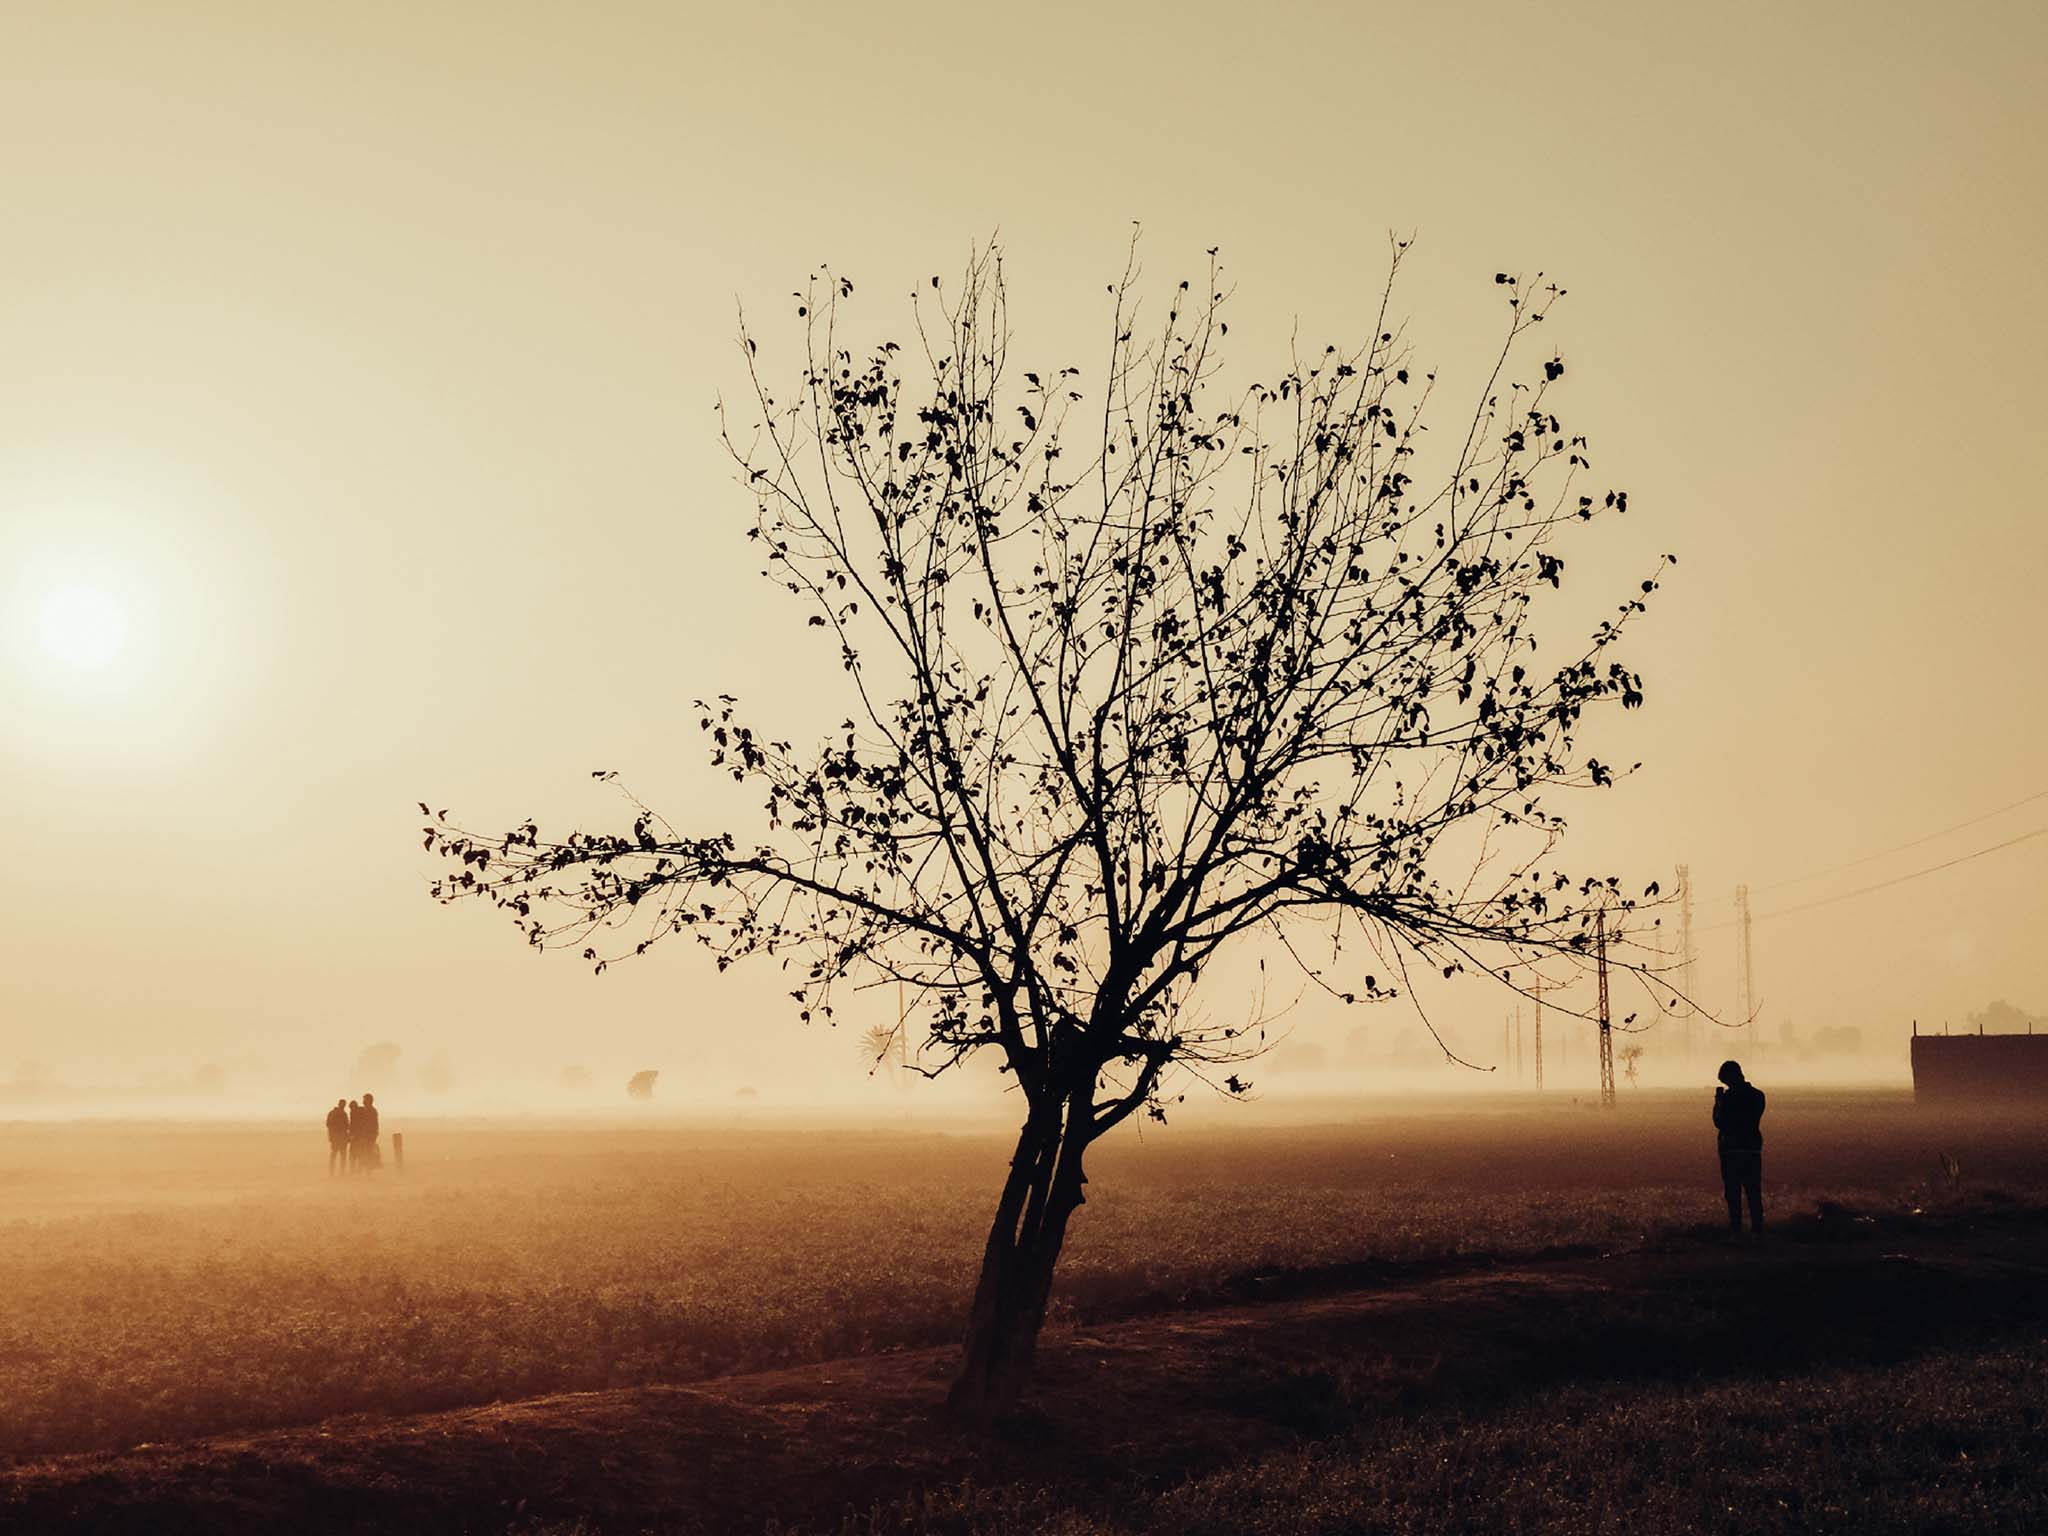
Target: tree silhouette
[
  {"x": 885, "y": 1052},
  {"x": 376, "y": 1067},
  {"x": 1130, "y": 675}
]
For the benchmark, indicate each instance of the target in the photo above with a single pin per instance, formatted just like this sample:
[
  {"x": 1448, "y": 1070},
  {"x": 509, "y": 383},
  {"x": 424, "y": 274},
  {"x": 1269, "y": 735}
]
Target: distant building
[{"x": 1957, "y": 1069}]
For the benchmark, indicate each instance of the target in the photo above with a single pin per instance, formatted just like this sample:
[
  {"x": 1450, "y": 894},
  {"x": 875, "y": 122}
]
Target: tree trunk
[{"x": 1042, "y": 1191}]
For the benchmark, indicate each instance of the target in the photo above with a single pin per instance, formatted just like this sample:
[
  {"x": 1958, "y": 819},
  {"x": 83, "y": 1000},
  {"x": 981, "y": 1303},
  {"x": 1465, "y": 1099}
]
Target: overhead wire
[
  {"x": 1883, "y": 853},
  {"x": 1864, "y": 890}
]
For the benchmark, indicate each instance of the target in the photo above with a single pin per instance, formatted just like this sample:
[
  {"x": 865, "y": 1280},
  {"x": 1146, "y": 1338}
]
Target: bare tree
[{"x": 1131, "y": 675}]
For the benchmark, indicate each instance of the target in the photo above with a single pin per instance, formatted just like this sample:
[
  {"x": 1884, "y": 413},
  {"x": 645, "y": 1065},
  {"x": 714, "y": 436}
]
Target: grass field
[
  {"x": 169, "y": 1281},
  {"x": 1942, "y": 1445}
]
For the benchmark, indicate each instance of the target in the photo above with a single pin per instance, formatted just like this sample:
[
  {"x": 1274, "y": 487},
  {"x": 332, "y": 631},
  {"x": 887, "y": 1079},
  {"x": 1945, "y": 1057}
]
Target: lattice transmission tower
[
  {"x": 1606, "y": 1026},
  {"x": 1745, "y": 970}
]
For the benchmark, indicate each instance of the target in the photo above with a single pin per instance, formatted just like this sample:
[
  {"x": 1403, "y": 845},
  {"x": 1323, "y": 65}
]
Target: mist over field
[
  {"x": 770, "y": 1069},
  {"x": 779, "y": 1070},
  {"x": 1297, "y": 1076}
]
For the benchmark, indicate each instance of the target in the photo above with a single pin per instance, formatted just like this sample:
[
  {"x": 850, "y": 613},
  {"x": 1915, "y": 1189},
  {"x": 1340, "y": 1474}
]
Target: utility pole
[
  {"x": 1606, "y": 1029},
  {"x": 1518, "y": 1041},
  {"x": 1745, "y": 971},
  {"x": 1536, "y": 990},
  {"x": 1687, "y": 956}
]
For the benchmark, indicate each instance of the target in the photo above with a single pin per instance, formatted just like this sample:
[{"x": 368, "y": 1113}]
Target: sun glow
[
  {"x": 82, "y": 628},
  {"x": 85, "y": 629},
  {"x": 118, "y": 635}
]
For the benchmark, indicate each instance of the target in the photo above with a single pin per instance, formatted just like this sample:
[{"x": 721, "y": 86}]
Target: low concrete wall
[{"x": 1947, "y": 1068}]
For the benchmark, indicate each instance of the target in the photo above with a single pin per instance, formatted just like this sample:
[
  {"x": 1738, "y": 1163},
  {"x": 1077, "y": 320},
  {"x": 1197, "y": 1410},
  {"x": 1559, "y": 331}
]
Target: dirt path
[{"x": 1123, "y": 1406}]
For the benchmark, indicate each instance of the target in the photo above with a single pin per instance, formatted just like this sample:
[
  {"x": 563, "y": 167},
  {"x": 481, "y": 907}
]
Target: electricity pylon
[
  {"x": 1606, "y": 1028},
  {"x": 1745, "y": 970}
]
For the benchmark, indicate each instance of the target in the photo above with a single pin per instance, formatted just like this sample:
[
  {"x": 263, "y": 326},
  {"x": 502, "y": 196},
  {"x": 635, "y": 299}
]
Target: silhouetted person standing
[
  {"x": 1738, "y": 1124},
  {"x": 337, "y": 1138},
  {"x": 363, "y": 1136},
  {"x": 355, "y": 1111}
]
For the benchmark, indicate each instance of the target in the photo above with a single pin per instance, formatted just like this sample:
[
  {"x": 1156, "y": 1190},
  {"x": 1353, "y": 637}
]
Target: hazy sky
[{"x": 357, "y": 367}]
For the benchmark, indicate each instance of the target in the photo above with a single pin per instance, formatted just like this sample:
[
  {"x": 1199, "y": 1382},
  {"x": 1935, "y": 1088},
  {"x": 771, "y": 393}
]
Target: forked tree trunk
[{"x": 1042, "y": 1191}]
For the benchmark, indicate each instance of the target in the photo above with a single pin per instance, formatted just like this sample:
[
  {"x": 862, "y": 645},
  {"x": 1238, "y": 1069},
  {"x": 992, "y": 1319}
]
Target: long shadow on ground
[{"x": 1121, "y": 1407}]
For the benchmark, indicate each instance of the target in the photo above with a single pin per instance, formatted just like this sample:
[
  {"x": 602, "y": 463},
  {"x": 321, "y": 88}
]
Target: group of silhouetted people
[{"x": 352, "y": 1136}]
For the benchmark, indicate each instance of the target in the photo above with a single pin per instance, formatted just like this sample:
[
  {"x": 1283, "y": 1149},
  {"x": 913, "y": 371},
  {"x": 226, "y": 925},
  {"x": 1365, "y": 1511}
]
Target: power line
[
  {"x": 1871, "y": 858},
  {"x": 1915, "y": 875},
  {"x": 1864, "y": 890}
]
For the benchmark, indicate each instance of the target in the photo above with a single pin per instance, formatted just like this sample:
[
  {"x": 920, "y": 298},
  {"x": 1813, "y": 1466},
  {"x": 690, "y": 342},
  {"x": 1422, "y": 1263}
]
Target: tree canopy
[{"x": 1136, "y": 665}]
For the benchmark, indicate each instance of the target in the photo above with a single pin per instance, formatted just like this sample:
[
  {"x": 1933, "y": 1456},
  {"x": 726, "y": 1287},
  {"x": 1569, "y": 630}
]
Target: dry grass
[
  {"x": 174, "y": 1283},
  {"x": 1944, "y": 1445}
]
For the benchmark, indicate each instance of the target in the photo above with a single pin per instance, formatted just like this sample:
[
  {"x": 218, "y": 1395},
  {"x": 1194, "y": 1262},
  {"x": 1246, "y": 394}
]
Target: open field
[
  {"x": 1881, "y": 1375},
  {"x": 171, "y": 1281}
]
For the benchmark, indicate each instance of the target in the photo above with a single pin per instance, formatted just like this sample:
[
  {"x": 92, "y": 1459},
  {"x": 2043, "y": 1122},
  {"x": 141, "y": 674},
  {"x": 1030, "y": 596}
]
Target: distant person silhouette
[
  {"x": 362, "y": 1136},
  {"x": 337, "y": 1138},
  {"x": 1738, "y": 1124},
  {"x": 355, "y": 1111}
]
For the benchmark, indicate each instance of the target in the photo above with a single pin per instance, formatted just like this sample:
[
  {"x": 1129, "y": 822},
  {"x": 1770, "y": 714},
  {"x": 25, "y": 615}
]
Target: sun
[
  {"x": 103, "y": 654},
  {"x": 81, "y": 627}
]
